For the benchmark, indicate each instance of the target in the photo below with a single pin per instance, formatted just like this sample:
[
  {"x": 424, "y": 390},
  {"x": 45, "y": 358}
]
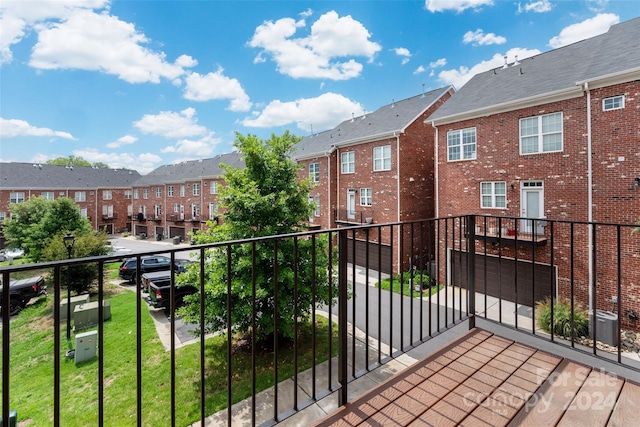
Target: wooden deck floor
[{"x": 483, "y": 379}]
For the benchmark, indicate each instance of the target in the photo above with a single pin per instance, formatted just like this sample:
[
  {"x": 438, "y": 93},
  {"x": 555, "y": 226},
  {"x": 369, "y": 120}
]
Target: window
[
  {"x": 129, "y": 211},
  {"x": 348, "y": 162},
  {"x": 170, "y": 191},
  {"x": 541, "y": 134},
  {"x": 107, "y": 211},
  {"x": 47, "y": 195},
  {"x": 135, "y": 193},
  {"x": 493, "y": 195},
  {"x": 83, "y": 212},
  {"x": 614, "y": 103},
  {"x": 176, "y": 207},
  {"x": 80, "y": 196},
  {"x": 107, "y": 195},
  {"x": 316, "y": 207},
  {"x": 127, "y": 194},
  {"x": 196, "y": 189},
  {"x": 182, "y": 191},
  {"x": 195, "y": 210},
  {"x": 145, "y": 193},
  {"x": 314, "y": 172},
  {"x": 213, "y": 187},
  {"x": 365, "y": 197},
  {"x": 3, "y": 216},
  {"x": 382, "y": 158},
  {"x": 213, "y": 210},
  {"x": 158, "y": 192},
  {"x": 157, "y": 209},
  {"x": 461, "y": 144}
]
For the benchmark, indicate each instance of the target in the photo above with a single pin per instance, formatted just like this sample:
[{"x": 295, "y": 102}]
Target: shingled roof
[
  {"x": 24, "y": 176},
  {"x": 382, "y": 123},
  {"x": 557, "y": 72},
  {"x": 192, "y": 170}
]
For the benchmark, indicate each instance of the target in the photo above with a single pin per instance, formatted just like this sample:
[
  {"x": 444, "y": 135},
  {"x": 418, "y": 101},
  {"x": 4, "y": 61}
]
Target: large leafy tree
[
  {"x": 264, "y": 198},
  {"x": 69, "y": 161}
]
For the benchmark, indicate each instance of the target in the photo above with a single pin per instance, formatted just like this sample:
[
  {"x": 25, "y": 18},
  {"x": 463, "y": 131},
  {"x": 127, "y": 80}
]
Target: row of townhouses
[{"x": 551, "y": 137}]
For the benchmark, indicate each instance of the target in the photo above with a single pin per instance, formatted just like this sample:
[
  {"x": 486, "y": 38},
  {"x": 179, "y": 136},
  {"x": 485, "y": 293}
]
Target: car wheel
[
  {"x": 15, "y": 306},
  {"x": 134, "y": 278}
]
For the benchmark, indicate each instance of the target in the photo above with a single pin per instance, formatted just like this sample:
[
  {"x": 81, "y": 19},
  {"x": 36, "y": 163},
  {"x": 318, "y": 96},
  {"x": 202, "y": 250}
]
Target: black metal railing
[
  {"x": 353, "y": 217},
  {"x": 472, "y": 269}
]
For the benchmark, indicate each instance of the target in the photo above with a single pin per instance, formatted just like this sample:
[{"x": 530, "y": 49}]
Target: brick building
[
  {"x": 556, "y": 137},
  {"x": 102, "y": 194},
  {"x": 376, "y": 168}
]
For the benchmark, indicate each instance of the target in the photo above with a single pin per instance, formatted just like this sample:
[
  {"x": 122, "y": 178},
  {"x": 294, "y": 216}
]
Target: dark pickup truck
[
  {"x": 22, "y": 291},
  {"x": 160, "y": 293}
]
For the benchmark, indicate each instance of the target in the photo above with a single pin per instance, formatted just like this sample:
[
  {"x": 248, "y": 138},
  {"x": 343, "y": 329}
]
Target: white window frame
[
  {"x": 382, "y": 158},
  {"x": 128, "y": 194},
  {"x": 348, "y": 162},
  {"x": 492, "y": 194},
  {"x": 135, "y": 193},
  {"x": 541, "y": 134},
  {"x": 366, "y": 197},
  {"x": 213, "y": 187},
  {"x": 107, "y": 195},
  {"x": 182, "y": 191},
  {"x": 196, "y": 189},
  {"x": 48, "y": 195},
  {"x": 170, "y": 191},
  {"x": 195, "y": 210},
  {"x": 615, "y": 103},
  {"x": 314, "y": 172},
  {"x": 107, "y": 211},
  {"x": 176, "y": 208},
  {"x": 316, "y": 206},
  {"x": 157, "y": 210},
  {"x": 213, "y": 210},
  {"x": 80, "y": 196},
  {"x": 83, "y": 212},
  {"x": 3, "y": 216},
  {"x": 158, "y": 192},
  {"x": 145, "y": 193},
  {"x": 466, "y": 149}
]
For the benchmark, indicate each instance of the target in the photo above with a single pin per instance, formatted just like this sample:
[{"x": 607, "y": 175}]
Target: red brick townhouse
[
  {"x": 555, "y": 136},
  {"x": 176, "y": 199},
  {"x": 102, "y": 194},
  {"x": 376, "y": 168}
]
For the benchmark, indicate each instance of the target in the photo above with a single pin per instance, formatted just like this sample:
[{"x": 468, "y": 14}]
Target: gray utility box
[
  {"x": 86, "y": 315},
  {"x": 75, "y": 301},
  {"x": 606, "y": 328},
  {"x": 86, "y": 344}
]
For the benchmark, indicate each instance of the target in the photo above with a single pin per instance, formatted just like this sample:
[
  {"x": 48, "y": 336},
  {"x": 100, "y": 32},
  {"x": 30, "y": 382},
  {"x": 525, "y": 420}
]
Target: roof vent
[
  {"x": 505, "y": 62},
  {"x": 517, "y": 62},
  {"x": 352, "y": 118},
  {"x": 393, "y": 102},
  {"x": 422, "y": 96}
]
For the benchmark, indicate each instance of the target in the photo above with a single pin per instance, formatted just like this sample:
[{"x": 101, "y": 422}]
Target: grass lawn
[
  {"x": 32, "y": 370},
  {"x": 407, "y": 288}
]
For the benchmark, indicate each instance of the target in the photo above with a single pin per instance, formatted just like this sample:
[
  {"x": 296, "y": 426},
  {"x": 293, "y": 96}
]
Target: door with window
[
  {"x": 351, "y": 204},
  {"x": 532, "y": 203}
]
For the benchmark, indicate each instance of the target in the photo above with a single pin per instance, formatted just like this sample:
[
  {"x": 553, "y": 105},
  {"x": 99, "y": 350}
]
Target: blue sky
[{"x": 138, "y": 84}]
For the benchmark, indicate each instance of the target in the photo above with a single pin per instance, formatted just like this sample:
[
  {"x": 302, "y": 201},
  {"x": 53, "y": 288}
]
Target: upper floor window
[
  {"x": 47, "y": 195},
  {"x": 613, "y": 103},
  {"x": 158, "y": 192},
  {"x": 541, "y": 134},
  {"x": 107, "y": 195},
  {"x": 170, "y": 191},
  {"x": 316, "y": 206},
  {"x": 3, "y": 216},
  {"x": 107, "y": 211},
  {"x": 461, "y": 144},
  {"x": 382, "y": 158},
  {"x": 213, "y": 187},
  {"x": 196, "y": 189},
  {"x": 213, "y": 210},
  {"x": 83, "y": 212},
  {"x": 135, "y": 193},
  {"x": 348, "y": 162},
  {"x": 127, "y": 194},
  {"x": 195, "y": 210},
  {"x": 314, "y": 172},
  {"x": 145, "y": 193},
  {"x": 365, "y": 197},
  {"x": 182, "y": 191},
  {"x": 80, "y": 196},
  {"x": 493, "y": 195}
]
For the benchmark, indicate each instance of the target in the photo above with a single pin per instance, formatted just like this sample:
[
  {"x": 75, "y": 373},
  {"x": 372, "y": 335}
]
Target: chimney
[{"x": 505, "y": 62}]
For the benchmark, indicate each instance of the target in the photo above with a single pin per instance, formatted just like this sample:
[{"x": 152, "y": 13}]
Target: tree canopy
[
  {"x": 264, "y": 198},
  {"x": 75, "y": 161}
]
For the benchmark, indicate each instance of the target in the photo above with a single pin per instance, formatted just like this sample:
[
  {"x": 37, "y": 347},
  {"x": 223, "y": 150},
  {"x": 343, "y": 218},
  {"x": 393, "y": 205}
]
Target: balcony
[
  {"x": 464, "y": 352},
  {"x": 175, "y": 218},
  {"x": 109, "y": 217},
  {"x": 346, "y": 217}
]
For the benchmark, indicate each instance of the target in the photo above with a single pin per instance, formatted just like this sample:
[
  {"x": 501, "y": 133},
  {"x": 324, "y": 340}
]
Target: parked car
[
  {"x": 128, "y": 268},
  {"x": 11, "y": 254},
  {"x": 182, "y": 265},
  {"x": 160, "y": 294},
  {"x": 22, "y": 291}
]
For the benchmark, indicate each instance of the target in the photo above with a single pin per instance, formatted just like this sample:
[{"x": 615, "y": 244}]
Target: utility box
[
  {"x": 86, "y": 315},
  {"x": 75, "y": 301},
  {"x": 13, "y": 419},
  {"x": 606, "y": 328},
  {"x": 86, "y": 344}
]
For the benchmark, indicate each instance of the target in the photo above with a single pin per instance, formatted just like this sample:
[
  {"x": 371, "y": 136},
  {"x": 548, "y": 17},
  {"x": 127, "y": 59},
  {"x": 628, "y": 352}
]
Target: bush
[{"x": 562, "y": 318}]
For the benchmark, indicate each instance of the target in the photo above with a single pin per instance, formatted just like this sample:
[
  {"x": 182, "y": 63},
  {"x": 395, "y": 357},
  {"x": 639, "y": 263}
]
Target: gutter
[{"x": 436, "y": 187}]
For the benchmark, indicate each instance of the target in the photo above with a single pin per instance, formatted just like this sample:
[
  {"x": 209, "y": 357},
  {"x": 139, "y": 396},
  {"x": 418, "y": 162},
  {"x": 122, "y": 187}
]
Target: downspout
[
  {"x": 329, "y": 190},
  {"x": 435, "y": 173},
  {"x": 589, "y": 193},
  {"x": 338, "y": 172},
  {"x": 398, "y": 195}
]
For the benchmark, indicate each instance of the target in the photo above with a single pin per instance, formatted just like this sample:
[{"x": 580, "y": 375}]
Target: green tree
[
  {"x": 69, "y": 161},
  {"x": 100, "y": 165},
  {"x": 264, "y": 198}
]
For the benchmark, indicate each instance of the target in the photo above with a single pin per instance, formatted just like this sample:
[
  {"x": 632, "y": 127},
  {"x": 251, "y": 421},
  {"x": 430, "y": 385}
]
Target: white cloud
[
  {"x": 322, "y": 112},
  {"x": 458, "y": 77},
  {"x": 11, "y": 128},
  {"x": 123, "y": 140},
  {"x": 323, "y": 54},
  {"x": 479, "y": 38},
  {"x": 307, "y": 13},
  {"x": 419, "y": 70},
  {"x": 540, "y": 6},
  {"x": 143, "y": 163},
  {"x": 599, "y": 24},
  {"x": 438, "y": 63},
  {"x": 597, "y": 5},
  {"x": 100, "y": 42},
  {"x": 404, "y": 53},
  {"x": 457, "y": 5},
  {"x": 169, "y": 124},
  {"x": 216, "y": 86},
  {"x": 193, "y": 148}
]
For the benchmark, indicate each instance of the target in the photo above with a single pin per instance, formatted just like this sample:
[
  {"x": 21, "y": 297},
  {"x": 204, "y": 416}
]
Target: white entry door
[
  {"x": 351, "y": 204},
  {"x": 532, "y": 202}
]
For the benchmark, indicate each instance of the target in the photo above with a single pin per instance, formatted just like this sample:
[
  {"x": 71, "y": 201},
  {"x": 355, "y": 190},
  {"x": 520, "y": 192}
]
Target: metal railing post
[
  {"x": 471, "y": 270},
  {"x": 342, "y": 317}
]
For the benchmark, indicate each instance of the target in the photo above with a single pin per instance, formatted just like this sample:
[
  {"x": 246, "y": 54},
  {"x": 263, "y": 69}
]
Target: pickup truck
[
  {"x": 160, "y": 294},
  {"x": 22, "y": 291}
]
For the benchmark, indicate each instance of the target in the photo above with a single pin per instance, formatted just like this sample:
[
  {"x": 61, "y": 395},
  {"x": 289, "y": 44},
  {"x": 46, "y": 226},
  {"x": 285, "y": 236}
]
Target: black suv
[{"x": 128, "y": 268}]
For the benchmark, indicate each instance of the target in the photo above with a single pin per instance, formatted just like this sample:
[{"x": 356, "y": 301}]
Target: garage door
[
  {"x": 374, "y": 248},
  {"x": 177, "y": 231},
  {"x": 535, "y": 282}
]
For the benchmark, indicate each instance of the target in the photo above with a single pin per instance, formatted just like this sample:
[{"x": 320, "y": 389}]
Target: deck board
[{"x": 627, "y": 409}]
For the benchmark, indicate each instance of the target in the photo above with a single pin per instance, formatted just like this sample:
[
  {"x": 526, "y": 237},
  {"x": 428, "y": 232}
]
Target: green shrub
[
  {"x": 562, "y": 318},
  {"x": 420, "y": 278}
]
